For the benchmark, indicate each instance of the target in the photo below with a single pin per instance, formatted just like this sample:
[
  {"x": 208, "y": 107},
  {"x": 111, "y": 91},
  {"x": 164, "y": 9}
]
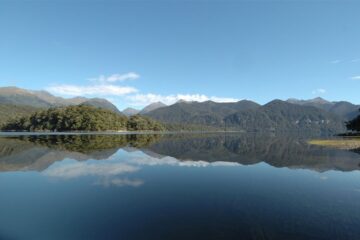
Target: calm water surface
[{"x": 189, "y": 186}]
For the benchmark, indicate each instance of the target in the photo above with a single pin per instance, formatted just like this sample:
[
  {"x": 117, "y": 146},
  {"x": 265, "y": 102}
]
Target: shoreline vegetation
[
  {"x": 80, "y": 118},
  {"x": 85, "y": 118},
  {"x": 344, "y": 143}
]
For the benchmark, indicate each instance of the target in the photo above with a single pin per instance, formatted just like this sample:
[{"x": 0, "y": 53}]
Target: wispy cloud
[
  {"x": 119, "y": 182},
  {"x": 101, "y": 89},
  {"x": 319, "y": 91},
  {"x": 355, "y": 77},
  {"x": 336, "y": 61},
  {"x": 108, "y": 87},
  {"x": 116, "y": 77},
  {"x": 144, "y": 99}
]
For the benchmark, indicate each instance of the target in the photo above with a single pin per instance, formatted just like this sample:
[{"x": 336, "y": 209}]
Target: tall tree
[{"x": 354, "y": 125}]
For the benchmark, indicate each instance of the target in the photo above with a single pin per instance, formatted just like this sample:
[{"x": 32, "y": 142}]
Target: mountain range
[
  {"x": 315, "y": 114},
  {"x": 245, "y": 115},
  {"x": 16, "y": 97},
  {"x": 37, "y": 153},
  {"x": 42, "y": 99},
  {"x": 343, "y": 109}
]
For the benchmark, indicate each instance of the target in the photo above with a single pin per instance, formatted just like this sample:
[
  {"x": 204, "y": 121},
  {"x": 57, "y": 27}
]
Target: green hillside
[
  {"x": 248, "y": 116},
  {"x": 283, "y": 116},
  {"x": 200, "y": 113},
  {"x": 10, "y": 111}
]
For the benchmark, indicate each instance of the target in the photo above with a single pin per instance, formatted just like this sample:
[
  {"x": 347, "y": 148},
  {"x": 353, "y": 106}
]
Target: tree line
[{"x": 81, "y": 118}]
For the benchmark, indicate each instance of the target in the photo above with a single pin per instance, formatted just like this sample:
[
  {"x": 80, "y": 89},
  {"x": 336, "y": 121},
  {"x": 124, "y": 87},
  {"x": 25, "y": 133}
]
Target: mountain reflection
[
  {"x": 39, "y": 152},
  {"x": 45, "y": 153}
]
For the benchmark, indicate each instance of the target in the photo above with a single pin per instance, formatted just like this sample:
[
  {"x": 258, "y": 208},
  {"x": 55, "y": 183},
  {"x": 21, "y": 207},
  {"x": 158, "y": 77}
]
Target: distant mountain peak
[
  {"x": 276, "y": 101},
  {"x": 152, "y": 106},
  {"x": 182, "y": 101},
  {"x": 43, "y": 99},
  {"x": 293, "y": 100},
  {"x": 13, "y": 90},
  {"x": 130, "y": 111},
  {"x": 101, "y": 103},
  {"x": 319, "y": 100}
]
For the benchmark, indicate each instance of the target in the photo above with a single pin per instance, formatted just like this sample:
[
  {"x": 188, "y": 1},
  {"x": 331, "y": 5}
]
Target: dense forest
[
  {"x": 80, "y": 118},
  {"x": 139, "y": 122},
  {"x": 354, "y": 125}
]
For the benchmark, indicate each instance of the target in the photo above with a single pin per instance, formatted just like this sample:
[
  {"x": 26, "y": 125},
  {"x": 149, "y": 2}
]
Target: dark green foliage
[
  {"x": 354, "y": 125},
  {"x": 137, "y": 122},
  {"x": 80, "y": 118},
  {"x": 71, "y": 118}
]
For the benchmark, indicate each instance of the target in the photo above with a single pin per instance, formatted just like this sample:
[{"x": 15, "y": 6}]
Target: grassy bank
[{"x": 347, "y": 143}]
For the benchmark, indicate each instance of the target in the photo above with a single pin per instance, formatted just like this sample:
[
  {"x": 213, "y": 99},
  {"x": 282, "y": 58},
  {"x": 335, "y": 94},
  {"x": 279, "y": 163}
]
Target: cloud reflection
[
  {"x": 170, "y": 161},
  {"x": 119, "y": 182},
  {"x": 111, "y": 172},
  {"x": 88, "y": 168}
]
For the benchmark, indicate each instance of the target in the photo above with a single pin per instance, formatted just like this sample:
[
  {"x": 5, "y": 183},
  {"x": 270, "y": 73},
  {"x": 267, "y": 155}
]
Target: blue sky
[{"x": 136, "y": 52}]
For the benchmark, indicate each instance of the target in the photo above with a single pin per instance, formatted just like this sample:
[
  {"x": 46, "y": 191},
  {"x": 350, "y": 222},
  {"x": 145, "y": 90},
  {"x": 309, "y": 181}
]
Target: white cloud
[
  {"x": 102, "y": 89},
  {"x": 107, "y": 87},
  {"x": 116, "y": 77},
  {"x": 355, "y": 77},
  {"x": 145, "y": 99},
  {"x": 319, "y": 91},
  {"x": 355, "y": 60}
]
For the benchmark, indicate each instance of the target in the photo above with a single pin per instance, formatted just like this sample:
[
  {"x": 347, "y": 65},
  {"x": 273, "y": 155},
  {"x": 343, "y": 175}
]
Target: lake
[{"x": 176, "y": 186}]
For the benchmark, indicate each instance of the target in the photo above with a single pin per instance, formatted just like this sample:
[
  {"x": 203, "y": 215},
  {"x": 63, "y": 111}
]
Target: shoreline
[
  {"x": 44, "y": 133},
  {"x": 344, "y": 143}
]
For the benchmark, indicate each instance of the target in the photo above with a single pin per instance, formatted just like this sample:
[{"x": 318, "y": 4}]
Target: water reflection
[
  {"x": 180, "y": 186},
  {"x": 40, "y": 152}
]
